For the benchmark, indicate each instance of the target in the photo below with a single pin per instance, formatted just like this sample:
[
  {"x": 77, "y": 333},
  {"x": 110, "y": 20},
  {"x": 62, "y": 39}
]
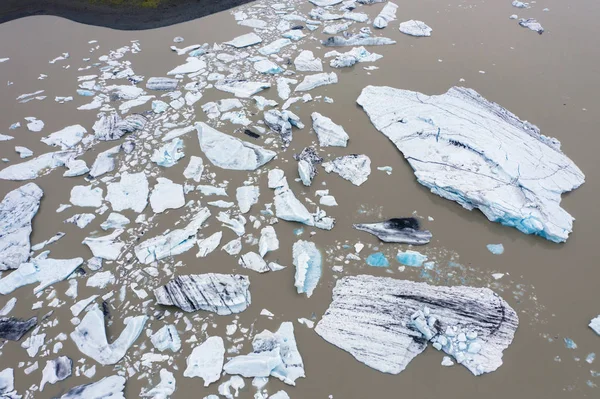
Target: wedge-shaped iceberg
[
  {"x": 222, "y": 294},
  {"x": 90, "y": 337},
  {"x": 398, "y": 230},
  {"x": 206, "y": 361},
  {"x": 44, "y": 271},
  {"x": 241, "y": 88},
  {"x": 17, "y": 210},
  {"x": 387, "y": 14},
  {"x": 469, "y": 150},
  {"x": 308, "y": 262},
  {"x": 129, "y": 193},
  {"x": 319, "y": 79},
  {"x": 173, "y": 243},
  {"x": 384, "y": 323},
  {"x": 415, "y": 28},
  {"x": 228, "y": 152},
  {"x": 249, "y": 39},
  {"x": 329, "y": 133},
  {"x": 13, "y": 329},
  {"x": 107, "y": 388},
  {"x": 38, "y": 166},
  {"x": 274, "y": 354},
  {"x": 354, "y": 168},
  {"x": 105, "y": 247}
]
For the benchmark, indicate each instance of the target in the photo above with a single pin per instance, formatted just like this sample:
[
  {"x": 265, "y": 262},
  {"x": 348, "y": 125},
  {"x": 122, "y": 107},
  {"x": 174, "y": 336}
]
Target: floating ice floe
[
  {"x": 38, "y": 166},
  {"x": 595, "y": 324},
  {"x": 164, "y": 389},
  {"x": 17, "y": 210},
  {"x": 105, "y": 247},
  {"x": 34, "y": 124},
  {"x": 86, "y": 196},
  {"x": 387, "y": 14},
  {"x": 397, "y": 230},
  {"x": 274, "y": 354},
  {"x": 415, "y": 28},
  {"x": 4, "y": 137},
  {"x": 90, "y": 337},
  {"x": 206, "y": 361},
  {"x": 222, "y": 294},
  {"x": 209, "y": 244},
  {"x": 354, "y": 168},
  {"x": 236, "y": 224},
  {"x": 334, "y": 29},
  {"x": 131, "y": 192},
  {"x": 349, "y": 58},
  {"x": 168, "y": 154},
  {"x": 328, "y": 133},
  {"x": 253, "y": 261},
  {"x": 247, "y": 196},
  {"x": 56, "y": 370},
  {"x": 44, "y": 271},
  {"x": 233, "y": 247},
  {"x": 306, "y": 62},
  {"x": 192, "y": 65},
  {"x": 520, "y": 4},
  {"x": 112, "y": 127},
  {"x": 496, "y": 249},
  {"x": 76, "y": 167},
  {"x": 360, "y": 39},
  {"x": 157, "y": 83},
  {"x": 307, "y": 164},
  {"x": 241, "y": 88},
  {"x": 166, "y": 338},
  {"x": 469, "y": 150},
  {"x": 246, "y": 40},
  {"x": 173, "y": 243},
  {"x": 166, "y": 195},
  {"x": 13, "y": 329},
  {"x": 308, "y": 262},
  {"x": 294, "y": 34},
  {"x": 268, "y": 241},
  {"x": 320, "y": 79},
  {"x": 274, "y": 47},
  {"x": 532, "y": 24},
  {"x": 229, "y": 152},
  {"x": 49, "y": 241},
  {"x": 384, "y": 323},
  {"x": 236, "y": 383},
  {"x": 109, "y": 387},
  {"x": 194, "y": 169}
]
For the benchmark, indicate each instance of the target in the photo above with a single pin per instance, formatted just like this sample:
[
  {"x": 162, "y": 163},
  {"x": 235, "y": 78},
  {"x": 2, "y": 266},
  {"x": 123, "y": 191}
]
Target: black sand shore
[{"x": 117, "y": 14}]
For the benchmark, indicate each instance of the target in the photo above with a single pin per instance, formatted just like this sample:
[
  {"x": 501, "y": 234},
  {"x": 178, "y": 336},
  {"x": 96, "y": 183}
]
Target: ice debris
[
  {"x": 329, "y": 133},
  {"x": 349, "y": 58},
  {"x": 308, "y": 160},
  {"x": 308, "y": 262},
  {"x": 282, "y": 122},
  {"x": 397, "y": 230},
  {"x": 268, "y": 241},
  {"x": 360, "y": 39},
  {"x": 206, "y": 361},
  {"x": 354, "y": 168}
]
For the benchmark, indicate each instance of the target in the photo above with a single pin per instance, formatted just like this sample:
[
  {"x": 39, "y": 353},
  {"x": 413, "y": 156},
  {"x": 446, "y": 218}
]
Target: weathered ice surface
[
  {"x": 13, "y": 329},
  {"x": 206, "y": 361},
  {"x": 229, "y": 152},
  {"x": 107, "y": 388},
  {"x": 90, "y": 337},
  {"x": 329, "y": 133},
  {"x": 166, "y": 338},
  {"x": 398, "y": 230},
  {"x": 472, "y": 151},
  {"x": 65, "y": 138},
  {"x": 354, "y": 168},
  {"x": 306, "y": 62},
  {"x": 274, "y": 354},
  {"x": 41, "y": 270},
  {"x": 282, "y": 122},
  {"x": 17, "y": 210},
  {"x": 308, "y": 262},
  {"x": 157, "y": 83},
  {"x": 164, "y": 389},
  {"x": 7, "y": 385},
  {"x": 222, "y": 294},
  {"x": 56, "y": 370},
  {"x": 384, "y": 323},
  {"x": 247, "y": 196},
  {"x": 349, "y": 58},
  {"x": 415, "y": 28}
]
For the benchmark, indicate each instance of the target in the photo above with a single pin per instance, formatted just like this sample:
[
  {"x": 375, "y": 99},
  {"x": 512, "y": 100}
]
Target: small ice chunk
[
  {"x": 7, "y": 378},
  {"x": 87, "y": 196},
  {"x": 268, "y": 241},
  {"x": 164, "y": 389},
  {"x": 496, "y": 249},
  {"x": 308, "y": 263},
  {"x": 23, "y": 152},
  {"x": 168, "y": 154},
  {"x": 377, "y": 259},
  {"x": 447, "y": 361},
  {"x": 115, "y": 221},
  {"x": 411, "y": 258},
  {"x": 166, "y": 195},
  {"x": 38, "y": 166},
  {"x": 105, "y": 247},
  {"x": 233, "y": 247},
  {"x": 415, "y": 28},
  {"x": 532, "y": 24},
  {"x": 328, "y": 200},
  {"x": 267, "y": 67},
  {"x": 399, "y": 230},
  {"x": 595, "y": 324},
  {"x": 109, "y": 387},
  {"x": 34, "y": 124},
  {"x": 241, "y": 88},
  {"x": 194, "y": 169},
  {"x": 166, "y": 84},
  {"x": 570, "y": 344},
  {"x": 13, "y": 329},
  {"x": 306, "y": 62},
  {"x": 253, "y": 261},
  {"x": 274, "y": 47}
]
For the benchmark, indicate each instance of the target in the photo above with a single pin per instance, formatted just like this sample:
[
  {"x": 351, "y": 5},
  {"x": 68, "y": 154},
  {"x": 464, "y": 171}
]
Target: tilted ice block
[
  {"x": 387, "y": 14},
  {"x": 222, "y": 294},
  {"x": 472, "y": 151},
  {"x": 376, "y": 320},
  {"x": 17, "y": 210}
]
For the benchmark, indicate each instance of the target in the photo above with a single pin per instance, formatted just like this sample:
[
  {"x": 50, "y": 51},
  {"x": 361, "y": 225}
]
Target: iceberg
[
  {"x": 360, "y": 39},
  {"x": 253, "y": 261},
  {"x": 249, "y": 39},
  {"x": 307, "y": 162},
  {"x": 104, "y": 162},
  {"x": 384, "y": 323},
  {"x": 112, "y": 127},
  {"x": 44, "y": 271},
  {"x": 268, "y": 241},
  {"x": 206, "y": 361},
  {"x": 66, "y": 138},
  {"x": 166, "y": 84},
  {"x": 354, "y": 168},
  {"x": 288, "y": 207},
  {"x": 306, "y": 62},
  {"x": 531, "y": 24},
  {"x": 38, "y": 166},
  {"x": 168, "y": 154},
  {"x": 129, "y": 193},
  {"x": 308, "y": 263},
  {"x": 496, "y": 249},
  {"x": 114, "y": 221},
  {"x": 329, "y": 133},
  {"x": 192, "y": 65},
  {"x": 334, "y": 29},
  {"x": 397, "y": 230},
  {"x": 166, "y": 195},
  {"x": 109, "y": 387},
  {"x": 23, "y": 152},
  {"x": 56, "y": 370},
  {"x": 415, "y": 28},
  {"x": 13, "y": 329},
  {"x": 247, "y": 196},
  {"x": 228, "y": 152},
  {"x": 241, "y": 88},
  {"x": 377, "y": 259},
  {"x": 387, "y": 14},
  {"x": 164, "y": 389},
  {"x": 319, "y": 79},
  {"x": 282, "y": 122},
  {"x": 236, "y": 224},
  {"x": 194, "y": 169},
  {"x": 233, "y": 247},
  {"x": 209, "y": 244},
  {"x": 411, "y": 258},
  {"x": 595, "y": 324},
  {"x": 173, "y": 243},
  {"x": 469, "y": 150},
  {"x": 166, "y": 338},
  {"x": 274, "y": 354},
  {"x": 349, "y": 58},
  {"x": 324, "y": 15},
  {"x": 87, "y": 196},
  {"x": 235, "y": 383},
  {"x": 105, "y": 247},
  {"x": 76, "y": 167},
  {"x": 17, "y": 210},
  {"x": 223, "y": 294},
  {"x": 274, "y": 47},
  {"x": 7, "y": 377},
  {"x": 267, "y": 67},
  {"x": 283, "y": 87},
  {"x": 90, "y": 337}
]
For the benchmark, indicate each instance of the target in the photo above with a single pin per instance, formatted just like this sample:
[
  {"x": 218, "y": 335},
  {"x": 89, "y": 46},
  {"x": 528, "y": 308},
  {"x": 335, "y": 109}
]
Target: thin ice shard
[
  {"x": 472, "y": 151},
  {"x": 398, "y": 230}
]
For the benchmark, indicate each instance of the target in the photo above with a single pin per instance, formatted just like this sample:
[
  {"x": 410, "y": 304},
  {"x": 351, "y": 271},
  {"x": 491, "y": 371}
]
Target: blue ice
[
  {"x": 496, "y": 249},
  {"x": 377, "y": 259},
  {"x": 411, "y": 258}
]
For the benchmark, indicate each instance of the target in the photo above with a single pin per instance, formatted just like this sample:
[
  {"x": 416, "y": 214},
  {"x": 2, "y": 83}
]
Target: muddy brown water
[{"x": 550, "y": 80}]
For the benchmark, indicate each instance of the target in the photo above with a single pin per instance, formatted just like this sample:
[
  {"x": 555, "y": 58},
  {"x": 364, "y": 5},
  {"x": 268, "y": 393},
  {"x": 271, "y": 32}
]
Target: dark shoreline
[{"x": 131, "y": 15}]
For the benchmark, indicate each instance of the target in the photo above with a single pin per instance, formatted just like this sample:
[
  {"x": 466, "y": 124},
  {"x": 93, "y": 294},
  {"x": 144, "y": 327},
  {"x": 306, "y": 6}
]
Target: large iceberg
[
  {"x": 229, "y": 152},
  {"x": 222, "y": 294},
  {"x": 472, "y": 151},
  {"x": 384, "y": 323},
  {"x": 398, "y": 230},
  {"x": 308, "y": 262},
  {"x": 17, "y": 210},
  {"x": 90, "y": 337}
]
